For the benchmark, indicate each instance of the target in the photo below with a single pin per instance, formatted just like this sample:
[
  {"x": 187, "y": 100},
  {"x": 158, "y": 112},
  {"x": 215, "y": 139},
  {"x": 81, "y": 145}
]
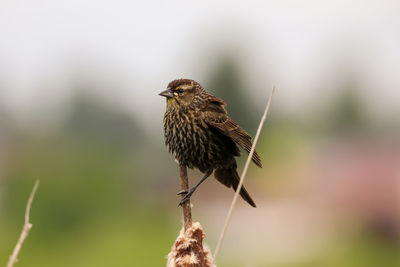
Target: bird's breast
[{"x": 187, "y": 137}]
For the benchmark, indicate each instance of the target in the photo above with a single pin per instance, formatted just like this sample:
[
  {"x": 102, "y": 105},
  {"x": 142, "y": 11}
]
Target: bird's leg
[
  {"x": 206, "y": 175},
  {"x": 191, "y": 190}
]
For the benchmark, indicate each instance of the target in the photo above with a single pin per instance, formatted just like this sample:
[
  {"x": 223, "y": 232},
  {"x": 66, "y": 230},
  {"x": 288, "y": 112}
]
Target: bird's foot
[
  {"x": 187, "y": 196},
  {"x": 182, "y": 192}
]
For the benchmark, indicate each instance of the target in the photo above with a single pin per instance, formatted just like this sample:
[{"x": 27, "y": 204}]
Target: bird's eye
[{"x": 179, "y": 91}]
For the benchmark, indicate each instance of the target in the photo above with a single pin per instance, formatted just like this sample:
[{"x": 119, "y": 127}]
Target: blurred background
[{"x": 79, "y": 110}]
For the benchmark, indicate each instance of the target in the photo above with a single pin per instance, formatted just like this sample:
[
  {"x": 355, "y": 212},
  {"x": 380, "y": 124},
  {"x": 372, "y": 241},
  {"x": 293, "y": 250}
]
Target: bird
[{"x": 199, "y": 134}]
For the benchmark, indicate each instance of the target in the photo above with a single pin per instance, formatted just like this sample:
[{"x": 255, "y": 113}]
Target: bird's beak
[{"x": 167, "y": 93}]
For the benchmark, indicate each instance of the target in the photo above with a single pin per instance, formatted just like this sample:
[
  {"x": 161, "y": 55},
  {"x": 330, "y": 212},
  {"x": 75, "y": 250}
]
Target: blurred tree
[
  {"x": 346, "y": 114},
  {"x": 226, "y": 82},
  {"x": 6, "y": 121},
  {"x": 90, "y": 118}
]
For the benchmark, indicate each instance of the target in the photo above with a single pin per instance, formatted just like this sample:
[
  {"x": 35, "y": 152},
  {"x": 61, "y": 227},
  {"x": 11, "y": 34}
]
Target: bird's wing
[{"x": 215, "y": 115}]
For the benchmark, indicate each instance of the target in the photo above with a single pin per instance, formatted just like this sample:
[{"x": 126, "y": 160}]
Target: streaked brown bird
[{"x": 199, "y": 133}]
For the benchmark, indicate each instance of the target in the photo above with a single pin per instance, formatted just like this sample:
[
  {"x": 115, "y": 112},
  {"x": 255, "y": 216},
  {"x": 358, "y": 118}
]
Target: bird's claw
[
  {"x": 182, "y": 192},
  {"x": 186, "y": 197}
]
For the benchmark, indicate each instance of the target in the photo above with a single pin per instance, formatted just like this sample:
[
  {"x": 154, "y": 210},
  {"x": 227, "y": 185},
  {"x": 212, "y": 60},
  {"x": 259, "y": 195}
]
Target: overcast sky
[{"x": 146, "y": 44}]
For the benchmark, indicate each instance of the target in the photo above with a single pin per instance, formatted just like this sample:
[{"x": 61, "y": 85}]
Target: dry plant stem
[
  {"x": 187, "y": 212},
  {"x": 246, "y": 166},
  {"x": 25, "y": 230}
]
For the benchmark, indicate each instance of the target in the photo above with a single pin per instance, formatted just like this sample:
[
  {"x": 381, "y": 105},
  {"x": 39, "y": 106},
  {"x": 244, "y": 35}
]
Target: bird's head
[{"x": 181, "y": 92}]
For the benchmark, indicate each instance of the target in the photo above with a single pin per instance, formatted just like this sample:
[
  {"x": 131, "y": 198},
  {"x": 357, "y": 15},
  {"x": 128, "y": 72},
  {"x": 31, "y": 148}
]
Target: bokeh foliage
[{"x": 107, "y": 194}]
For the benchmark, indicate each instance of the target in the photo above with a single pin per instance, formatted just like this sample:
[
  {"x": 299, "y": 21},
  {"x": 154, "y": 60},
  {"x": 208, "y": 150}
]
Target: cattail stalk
[
  {"x": 187, "y": 211},
  {"x": 188, "y": 249}
]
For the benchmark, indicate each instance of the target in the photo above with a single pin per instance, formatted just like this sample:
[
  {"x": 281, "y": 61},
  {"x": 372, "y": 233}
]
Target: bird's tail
[{"x": 230, "y": 178}]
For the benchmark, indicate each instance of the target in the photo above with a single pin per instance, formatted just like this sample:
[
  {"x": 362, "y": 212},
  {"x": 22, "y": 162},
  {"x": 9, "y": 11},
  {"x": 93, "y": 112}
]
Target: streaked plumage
[{"x": 199, "y": 133}]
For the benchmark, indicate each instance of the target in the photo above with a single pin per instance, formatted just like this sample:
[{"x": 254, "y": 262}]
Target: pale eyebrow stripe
[{"x": 185, "y": 86}]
